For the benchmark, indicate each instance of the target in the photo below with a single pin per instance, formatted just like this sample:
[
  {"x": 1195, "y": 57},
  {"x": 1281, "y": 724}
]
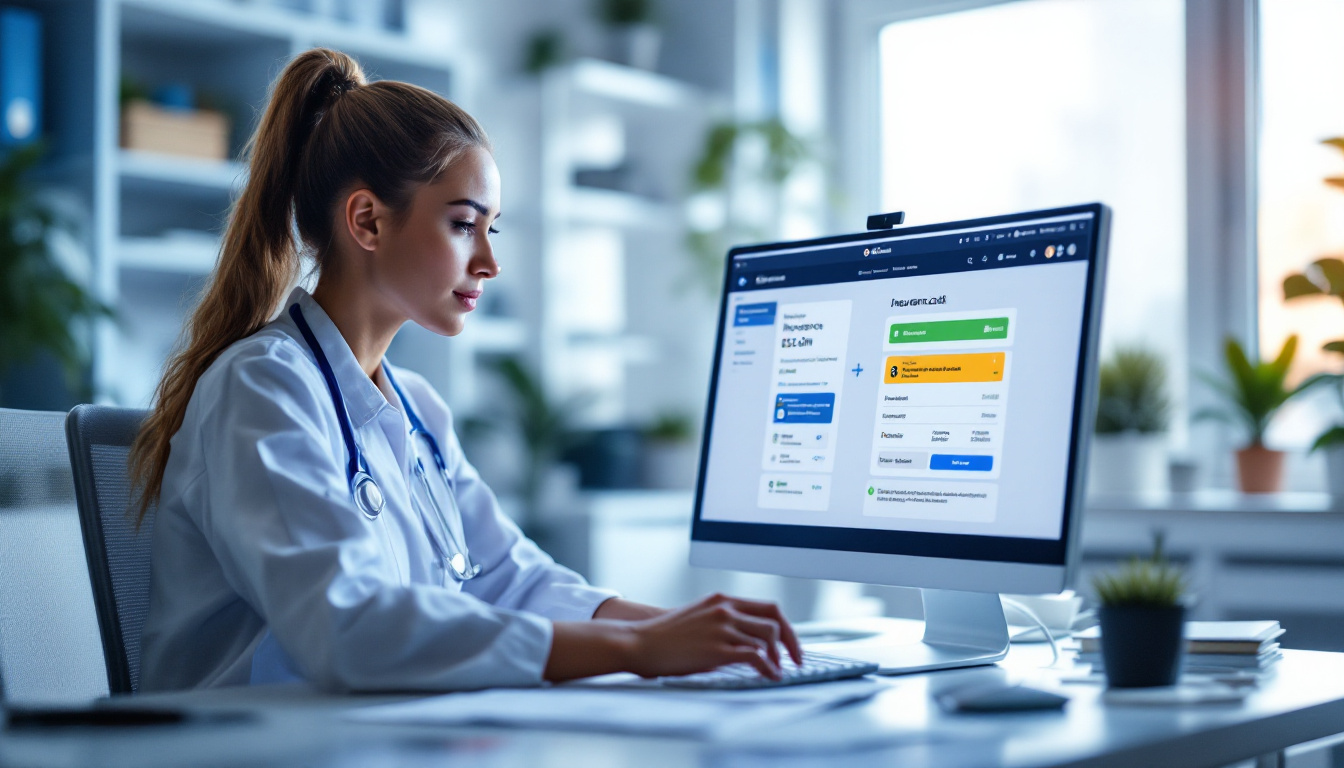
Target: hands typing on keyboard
[{"x": 816, "y": 668}]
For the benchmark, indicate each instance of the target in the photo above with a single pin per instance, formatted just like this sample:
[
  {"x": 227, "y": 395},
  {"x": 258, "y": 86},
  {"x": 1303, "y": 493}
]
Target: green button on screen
[{"x": 980, "y": 329}]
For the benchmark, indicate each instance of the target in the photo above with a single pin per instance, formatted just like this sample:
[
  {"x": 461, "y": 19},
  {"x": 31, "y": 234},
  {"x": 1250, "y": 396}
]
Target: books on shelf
[{"x": 1210, "y": 646}]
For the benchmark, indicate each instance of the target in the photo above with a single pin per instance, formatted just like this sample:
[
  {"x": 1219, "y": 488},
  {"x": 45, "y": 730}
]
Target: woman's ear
[{"x": 364, "y": 218}]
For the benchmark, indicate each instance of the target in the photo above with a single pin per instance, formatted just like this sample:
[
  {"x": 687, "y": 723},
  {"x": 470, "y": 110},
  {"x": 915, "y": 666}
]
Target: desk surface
[{"x": 1302, "y": 701}]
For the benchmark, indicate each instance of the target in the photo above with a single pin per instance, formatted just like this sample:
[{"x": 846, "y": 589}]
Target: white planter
[
  {"x": 1334, "y": 470},
  {"x": 1127, "y": 464}
]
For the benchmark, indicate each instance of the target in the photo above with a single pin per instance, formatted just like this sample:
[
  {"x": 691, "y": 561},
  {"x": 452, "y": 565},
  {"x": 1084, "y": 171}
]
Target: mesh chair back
[
  {"x": 50, "y": 651},
  {"x": 118, "y": 553}
]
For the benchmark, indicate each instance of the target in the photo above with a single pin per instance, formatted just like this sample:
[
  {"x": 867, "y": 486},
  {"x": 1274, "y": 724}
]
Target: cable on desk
[{"x": 1030, "y": 614}]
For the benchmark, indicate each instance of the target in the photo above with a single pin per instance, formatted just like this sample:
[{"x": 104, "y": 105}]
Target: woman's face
[{"x": 433, "y": 261}]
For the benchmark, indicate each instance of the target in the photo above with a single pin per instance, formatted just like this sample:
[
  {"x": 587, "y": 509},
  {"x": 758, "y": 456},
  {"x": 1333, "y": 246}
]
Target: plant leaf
[
  {"x": 1332, "y": 270},
  {"x": 1331, "y": 437},
  {"x": 1285, "y": 358},
  {"x": 1295, "y": 286}
]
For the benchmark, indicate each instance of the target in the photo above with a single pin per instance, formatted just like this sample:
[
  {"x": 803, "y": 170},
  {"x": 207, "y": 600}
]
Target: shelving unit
[
  {"x": 155, "y": 219},
  {"x": 613, "y": 263}
]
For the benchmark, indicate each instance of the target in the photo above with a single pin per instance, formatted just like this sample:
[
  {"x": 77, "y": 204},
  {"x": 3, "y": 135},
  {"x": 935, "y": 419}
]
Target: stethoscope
[{"x": 364, "y": 489}]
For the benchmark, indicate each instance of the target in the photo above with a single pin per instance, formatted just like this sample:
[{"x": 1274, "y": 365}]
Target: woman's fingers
[
  {"x": 764, "y": 631},
  {"x": 752, "y": 656},
  {"x": 771, "y": 612}
]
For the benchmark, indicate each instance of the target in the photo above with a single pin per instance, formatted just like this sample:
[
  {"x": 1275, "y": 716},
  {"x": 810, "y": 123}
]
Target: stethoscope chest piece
[
  {"x": 368, "y": 496},
  {"x": 461, "y": 568}
]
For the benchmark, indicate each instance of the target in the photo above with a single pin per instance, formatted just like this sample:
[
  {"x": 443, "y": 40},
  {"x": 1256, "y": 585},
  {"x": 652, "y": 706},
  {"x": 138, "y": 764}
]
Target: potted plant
[
  {"x": 1325, "y": 277},
  {"x": 1142, "y": 621},
  {"x": 1254, "y": 393},
  {"x": 544, "y": 426},
  {"x": 1129, "y": 452},
  {"x": 39, "y": 303},
  {"x": 671, "y": 458},
  {"x": 635, "y": 37}
]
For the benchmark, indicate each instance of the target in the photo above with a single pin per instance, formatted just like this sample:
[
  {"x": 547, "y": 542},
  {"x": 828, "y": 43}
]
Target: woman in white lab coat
[{"x": 316, "y": 518}]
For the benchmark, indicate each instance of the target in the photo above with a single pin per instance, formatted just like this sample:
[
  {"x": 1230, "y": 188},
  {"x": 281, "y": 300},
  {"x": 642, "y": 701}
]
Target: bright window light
[
  {"x": 1042, "y": 103},
  {"x": 1301, "y": 218}
]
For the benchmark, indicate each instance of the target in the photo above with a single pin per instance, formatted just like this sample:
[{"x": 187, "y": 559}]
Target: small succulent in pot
[{"x": 1142, "y": 617}]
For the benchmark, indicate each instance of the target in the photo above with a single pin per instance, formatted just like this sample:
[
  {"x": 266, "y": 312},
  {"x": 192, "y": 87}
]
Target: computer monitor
[{"x": 909, "y": 407}]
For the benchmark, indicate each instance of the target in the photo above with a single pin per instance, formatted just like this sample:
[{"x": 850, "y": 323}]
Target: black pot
[{"x": 1142, "y": 645}]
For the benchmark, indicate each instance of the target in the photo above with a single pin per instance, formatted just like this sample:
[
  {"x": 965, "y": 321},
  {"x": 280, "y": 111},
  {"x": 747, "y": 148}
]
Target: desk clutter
[{"x": 1211, "y": 647}]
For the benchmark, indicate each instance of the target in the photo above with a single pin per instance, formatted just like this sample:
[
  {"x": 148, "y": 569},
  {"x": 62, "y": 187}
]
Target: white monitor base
[{"x": 961, "y": 629}]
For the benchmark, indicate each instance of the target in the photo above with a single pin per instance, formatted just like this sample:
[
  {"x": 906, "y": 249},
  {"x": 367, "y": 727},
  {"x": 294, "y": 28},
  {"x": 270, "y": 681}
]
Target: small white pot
[
  {"x": 1127, "y": 464},
  {"x": 1334, "y": 470}
]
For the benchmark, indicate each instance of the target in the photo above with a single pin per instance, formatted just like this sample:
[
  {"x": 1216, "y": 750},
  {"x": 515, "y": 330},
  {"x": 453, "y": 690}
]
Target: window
[
  {"x": 1041, "y": 103},
  {"x": 1301, "y": 219}
]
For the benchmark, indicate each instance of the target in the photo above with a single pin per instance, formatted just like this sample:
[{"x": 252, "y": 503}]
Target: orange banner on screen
[{"x": 943, "y": 369}]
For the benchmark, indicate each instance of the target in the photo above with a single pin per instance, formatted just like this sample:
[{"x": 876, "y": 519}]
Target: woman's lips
[{"x": 468, "y": 298}]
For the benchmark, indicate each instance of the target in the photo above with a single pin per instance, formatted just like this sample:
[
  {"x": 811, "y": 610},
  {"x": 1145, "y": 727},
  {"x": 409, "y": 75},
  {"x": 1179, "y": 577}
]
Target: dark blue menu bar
[{"x": 1002, "y": 247}]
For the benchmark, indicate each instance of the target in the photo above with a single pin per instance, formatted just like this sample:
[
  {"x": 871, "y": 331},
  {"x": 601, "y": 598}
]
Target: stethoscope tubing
[{"x": 364, "y": 490}]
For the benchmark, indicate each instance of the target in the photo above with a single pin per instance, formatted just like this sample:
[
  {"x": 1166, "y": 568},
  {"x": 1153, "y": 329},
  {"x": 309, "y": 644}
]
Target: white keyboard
[{"x": 816, "y": 668}]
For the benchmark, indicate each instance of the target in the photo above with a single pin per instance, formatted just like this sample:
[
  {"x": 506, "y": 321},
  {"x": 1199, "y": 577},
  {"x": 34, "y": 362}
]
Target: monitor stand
[{"x": 961, "y": 629}]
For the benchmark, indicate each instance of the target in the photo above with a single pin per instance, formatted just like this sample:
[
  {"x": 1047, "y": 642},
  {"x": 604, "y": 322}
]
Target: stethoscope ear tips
[{"x": 368, "y": 496}]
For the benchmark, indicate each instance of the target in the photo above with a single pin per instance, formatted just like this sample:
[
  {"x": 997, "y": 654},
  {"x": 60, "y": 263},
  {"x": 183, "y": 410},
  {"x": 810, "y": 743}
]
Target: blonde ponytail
[{"x": 324, "y": 129}]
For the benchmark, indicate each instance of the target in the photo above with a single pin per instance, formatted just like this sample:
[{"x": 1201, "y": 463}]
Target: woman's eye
[
  {"x": 493, "y": 231},
  {"x": 465, "y": 226}
]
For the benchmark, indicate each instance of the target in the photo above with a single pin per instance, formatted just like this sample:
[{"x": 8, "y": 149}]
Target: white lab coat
[{"x": 264, "y": 569}]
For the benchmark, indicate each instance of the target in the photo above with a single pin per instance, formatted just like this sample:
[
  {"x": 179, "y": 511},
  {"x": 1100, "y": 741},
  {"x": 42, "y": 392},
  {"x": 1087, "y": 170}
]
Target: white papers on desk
[{"x": 615, "y": 706}]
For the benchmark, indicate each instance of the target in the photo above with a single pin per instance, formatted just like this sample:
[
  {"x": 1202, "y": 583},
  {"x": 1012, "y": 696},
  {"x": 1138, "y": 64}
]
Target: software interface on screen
[{"x": 921, "y": 382}]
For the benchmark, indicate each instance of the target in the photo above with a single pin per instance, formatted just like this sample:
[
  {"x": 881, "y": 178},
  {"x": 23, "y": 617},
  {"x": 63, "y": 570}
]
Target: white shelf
[
  {"x": 628, "y": 85},
  {"x": 590, "y": 205},
  {"x": 179, "y": 255},
  {"x": 153, "y": 169}
]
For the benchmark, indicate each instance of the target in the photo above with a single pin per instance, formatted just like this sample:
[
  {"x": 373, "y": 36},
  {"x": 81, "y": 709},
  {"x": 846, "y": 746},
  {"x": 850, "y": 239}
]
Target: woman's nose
[{"x": 484, "y": 259}]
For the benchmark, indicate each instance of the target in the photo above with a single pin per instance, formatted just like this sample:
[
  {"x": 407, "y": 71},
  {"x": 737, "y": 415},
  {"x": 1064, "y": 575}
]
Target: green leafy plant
[
  {"x": 545, "y": 48},
  {"x": 39, "y": 303},
  {"x": 545, "y": 425},
  {"x": 1323, "y": 277},
  {"x": 624, "y": 13},
  {"x": 784, "y": 152},
  {"x": 670, "y": 428},
  {"x": 1254, "y": 392},
  {"x": 1132, "y": 392},
  {"x": 1151, "y": 581}
]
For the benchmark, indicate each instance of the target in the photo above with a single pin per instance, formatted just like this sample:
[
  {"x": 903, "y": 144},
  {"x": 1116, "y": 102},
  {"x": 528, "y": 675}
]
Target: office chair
[
  {"x": 99, "y": 439},
  {"x": 50, "y": 651}
]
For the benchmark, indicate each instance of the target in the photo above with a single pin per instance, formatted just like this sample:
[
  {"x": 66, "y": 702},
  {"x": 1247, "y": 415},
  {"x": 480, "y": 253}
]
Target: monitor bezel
[{"x": 1037, "y": 562}]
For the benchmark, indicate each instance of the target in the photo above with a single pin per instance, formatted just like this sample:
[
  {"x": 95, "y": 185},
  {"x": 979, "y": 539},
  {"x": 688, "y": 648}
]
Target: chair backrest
[
  {"x": 50, "y": 651},
  {"x": 100, "y": 439}
]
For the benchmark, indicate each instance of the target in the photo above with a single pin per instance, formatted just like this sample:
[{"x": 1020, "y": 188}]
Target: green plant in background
[
  {"x": 784, "y": 152},
  {"x": 1254, "y": 392},
  {"x": 545, "y": 48},
  {"x": 625, "y": 13},
  {"x": 670, "y": 428},
  {"x": 1132, "y": 392},
  {"x": 545, "y": 425},
  {"x": 39, "y": 303},
  {"x": 1151, "y": 581},
  {"x": 1323, "y": 277}
]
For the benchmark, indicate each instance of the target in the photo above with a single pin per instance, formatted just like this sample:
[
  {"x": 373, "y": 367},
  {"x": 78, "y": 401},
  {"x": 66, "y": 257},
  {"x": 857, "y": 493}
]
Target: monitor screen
[{"x": 910, "y": 392}]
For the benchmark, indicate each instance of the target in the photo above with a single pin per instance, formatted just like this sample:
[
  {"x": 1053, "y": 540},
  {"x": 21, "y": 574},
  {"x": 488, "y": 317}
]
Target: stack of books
[{"x": 1211, "y": 647}]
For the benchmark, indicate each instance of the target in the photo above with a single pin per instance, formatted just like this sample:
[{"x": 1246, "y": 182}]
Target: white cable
[{"x": 1020, "y": 608}]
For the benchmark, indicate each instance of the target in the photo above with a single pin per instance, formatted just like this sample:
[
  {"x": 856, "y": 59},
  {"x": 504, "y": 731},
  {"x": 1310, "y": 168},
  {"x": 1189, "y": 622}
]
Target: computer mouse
[{"x": 999, "y": 697}]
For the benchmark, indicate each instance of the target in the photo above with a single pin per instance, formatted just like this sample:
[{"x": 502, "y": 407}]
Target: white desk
[{"x": 1303, "y": 701}]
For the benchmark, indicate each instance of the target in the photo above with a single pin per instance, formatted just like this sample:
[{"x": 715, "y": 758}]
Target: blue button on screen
[{"x": 963, "y": 463}]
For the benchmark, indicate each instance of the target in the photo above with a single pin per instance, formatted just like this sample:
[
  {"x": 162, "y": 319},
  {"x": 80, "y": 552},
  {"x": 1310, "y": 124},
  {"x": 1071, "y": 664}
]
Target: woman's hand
[{"x": 715, "y": 631}]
